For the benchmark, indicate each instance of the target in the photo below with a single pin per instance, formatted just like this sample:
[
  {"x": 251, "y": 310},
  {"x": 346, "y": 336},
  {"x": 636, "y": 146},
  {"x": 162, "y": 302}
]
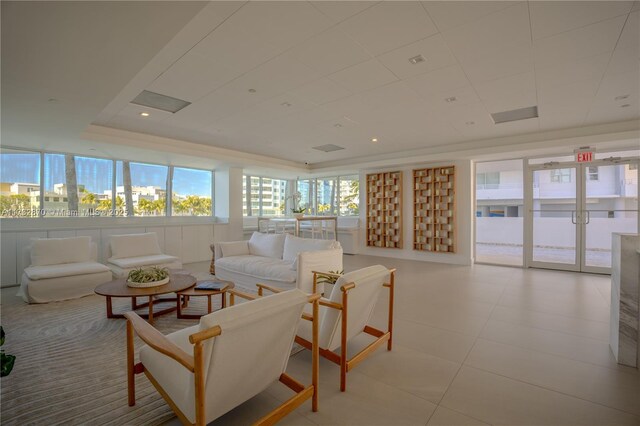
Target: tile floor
[{"x": 473, "y": 346}]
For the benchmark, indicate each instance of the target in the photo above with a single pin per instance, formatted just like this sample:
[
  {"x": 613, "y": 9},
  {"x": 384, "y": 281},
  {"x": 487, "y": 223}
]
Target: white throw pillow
[
  {"x": 56, "y": 251},
  {"x": 134, "y": 245},
  {"x": 235, "y": 248},
  {"x": 294, "y": 245},
  {"x": 267, "y": 245}
]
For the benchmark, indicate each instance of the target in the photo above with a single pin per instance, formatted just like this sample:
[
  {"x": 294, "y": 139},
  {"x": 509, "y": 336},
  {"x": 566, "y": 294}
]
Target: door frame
[{"x": 581, "y": 213}]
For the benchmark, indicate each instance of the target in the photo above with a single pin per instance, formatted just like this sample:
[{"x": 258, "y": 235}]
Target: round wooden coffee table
[
  {"x": 184, "y": 295},
  {"x": 119, "y": 288}
]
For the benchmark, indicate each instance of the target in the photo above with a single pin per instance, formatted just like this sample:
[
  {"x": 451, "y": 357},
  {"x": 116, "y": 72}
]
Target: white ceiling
[{"x": 338, "y": 72}]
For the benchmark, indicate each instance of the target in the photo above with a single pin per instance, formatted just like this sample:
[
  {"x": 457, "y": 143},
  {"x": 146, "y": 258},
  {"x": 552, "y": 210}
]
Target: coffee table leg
[
  {"x": 224, "y": 299},
  {"x": 209, "y": 303},
  {"x": 150, "y": 309},
  {"x": 109, "y": 308}
]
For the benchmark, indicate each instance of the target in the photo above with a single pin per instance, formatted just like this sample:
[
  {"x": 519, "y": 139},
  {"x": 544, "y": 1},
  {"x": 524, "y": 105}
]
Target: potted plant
[
  {"x": 149, "y": 277},
  {"x": 6, "y": 361},
  {"x": 329, "y": 278},
  {"x": 298, "y": 212}
]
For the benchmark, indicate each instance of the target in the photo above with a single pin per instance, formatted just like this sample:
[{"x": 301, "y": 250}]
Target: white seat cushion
[
  {"x": 259, "y": 267},
  {"x": 294, "y": 245},
  {"x": 267, "y": 245},
  {"x": 56, "y": 251},
  {"x": 64, "y": 270},
  {"x": 135, "y": 262},
  {"x": 134, "y": 245}
]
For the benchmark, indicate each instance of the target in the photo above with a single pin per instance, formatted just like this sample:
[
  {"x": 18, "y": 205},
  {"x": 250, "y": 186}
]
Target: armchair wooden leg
[
  {"x": 343, "y": 343},
  {"x": 391, "y": 291},
  {"x": 131, "y": 381},
  {"x": 315, "y": 357},
  {"x": 199, "y": 384}
]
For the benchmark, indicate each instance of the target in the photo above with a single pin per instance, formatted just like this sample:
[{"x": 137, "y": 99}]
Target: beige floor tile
[
  {"x": 446, "y": 417},
  {"x": 589, "y": 307},
  {"x": 502, "y": 401},
  {"x": 423, "y": 375},
  {"x": 614, "y": 389},
  {"x": 433, "y": 341},
  {"x": 552, "y": 342},
  {"x": 597, "y": 330}
]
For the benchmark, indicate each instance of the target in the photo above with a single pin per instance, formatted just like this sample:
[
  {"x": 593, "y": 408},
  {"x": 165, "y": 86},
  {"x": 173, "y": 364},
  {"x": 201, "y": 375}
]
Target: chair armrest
[
  {"x": 234, "y": 292},
  {"x": 330, "y": 304},
  {"x": 158, "y": 341},
  {"x": 267, "y": 287}
]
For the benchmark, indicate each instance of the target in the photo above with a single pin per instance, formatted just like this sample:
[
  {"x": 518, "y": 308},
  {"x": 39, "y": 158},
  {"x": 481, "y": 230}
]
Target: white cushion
[
  {"x": 56, "y": 251},
  {"x": 267, "y": 245},
  {"x": 259, "y": 267},
  {"x": 235, "y": 248},
  {"x": 135, "y": 262},
  {"x": 134, "y": 245},
  {"x": 64, "y": 270},
  {"x": 294, "y": 245}
]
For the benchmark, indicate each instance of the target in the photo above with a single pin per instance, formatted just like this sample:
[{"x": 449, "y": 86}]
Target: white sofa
[
  {"x": 61, "y": 269},
  {"x": 279, "y": 260},
  {"x": 131, "y": 251}
]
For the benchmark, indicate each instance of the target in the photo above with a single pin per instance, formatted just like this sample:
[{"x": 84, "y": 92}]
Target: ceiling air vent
[
  {"x": 515, "y": 115},
  {"x": 328, "y": 148},
  {"x": 158, "y": 101}
]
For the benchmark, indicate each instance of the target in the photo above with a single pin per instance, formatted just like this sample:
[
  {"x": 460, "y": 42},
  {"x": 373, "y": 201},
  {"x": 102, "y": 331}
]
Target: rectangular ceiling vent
[
  {"x": 515, "y": 115},
  {"x": 328, "y": 148},
  {"x": 161, "y": 102}
]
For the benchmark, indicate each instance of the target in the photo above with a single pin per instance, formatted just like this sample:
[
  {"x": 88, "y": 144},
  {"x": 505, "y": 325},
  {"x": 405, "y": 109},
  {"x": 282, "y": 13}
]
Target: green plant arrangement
[
  {"x": 299, "y": 210},
  {"x": 148, "y": 277},
  {"x": 329, "y": 279},
  {"x": 6, "y": 361}
]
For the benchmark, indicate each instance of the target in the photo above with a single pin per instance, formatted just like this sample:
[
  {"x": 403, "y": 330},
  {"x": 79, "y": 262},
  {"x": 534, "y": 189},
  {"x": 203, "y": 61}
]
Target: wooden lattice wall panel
[
  {"x": 384, "y": 210},
  {"x": 434, "y": 211}
]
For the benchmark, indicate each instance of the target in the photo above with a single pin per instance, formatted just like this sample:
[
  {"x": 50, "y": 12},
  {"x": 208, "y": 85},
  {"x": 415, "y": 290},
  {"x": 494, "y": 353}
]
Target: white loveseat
[
  {"x": 279, "y": 260},
  {"x": 131, "y": 251},
  {"x": 61, "y": 269}
]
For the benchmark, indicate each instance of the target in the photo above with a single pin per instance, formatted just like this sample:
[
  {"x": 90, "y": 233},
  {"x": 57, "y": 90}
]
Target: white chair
[
  {"x": 131, "y": 251},
  {"x": 235, "y": 353},
  {"x": 61, "y": 269},
  {"x": 345, "y": 314}
]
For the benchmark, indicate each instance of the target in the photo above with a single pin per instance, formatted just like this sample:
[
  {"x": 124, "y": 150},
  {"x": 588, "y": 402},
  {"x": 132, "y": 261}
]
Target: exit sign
[{"x": 584, "y": 156}]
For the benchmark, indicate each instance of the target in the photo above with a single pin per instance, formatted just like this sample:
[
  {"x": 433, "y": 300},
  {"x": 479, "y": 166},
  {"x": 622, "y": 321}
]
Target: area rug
[{"x": 70, "y": 367}]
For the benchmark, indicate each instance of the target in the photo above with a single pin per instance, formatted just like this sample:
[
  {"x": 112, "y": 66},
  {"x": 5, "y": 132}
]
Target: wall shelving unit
[
  {"x": 384, "y": 210},
  {"x": 434, "y": 213}
]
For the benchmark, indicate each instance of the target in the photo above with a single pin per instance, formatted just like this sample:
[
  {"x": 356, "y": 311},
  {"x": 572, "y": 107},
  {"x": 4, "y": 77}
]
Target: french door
[{"x": 573, "y": 208}]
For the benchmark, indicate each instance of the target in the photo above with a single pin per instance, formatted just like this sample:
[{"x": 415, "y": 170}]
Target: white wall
[{"x": 464, "y": 209}]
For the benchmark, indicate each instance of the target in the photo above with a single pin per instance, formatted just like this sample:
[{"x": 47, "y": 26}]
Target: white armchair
[
  {"x": 131, "y": 251},
  {"x": 235, "y": 353},
  {"x": 61, "y": 269},
  {"x": 345, "y": 314}
]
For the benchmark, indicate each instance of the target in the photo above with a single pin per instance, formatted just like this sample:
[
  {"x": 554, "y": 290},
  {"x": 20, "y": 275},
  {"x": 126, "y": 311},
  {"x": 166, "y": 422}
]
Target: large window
[
  {"x": 265, "y": 196},
  {"x": 148, "y": 193},
  {"x": 330, "y": 196},
  {"x": 191, "y": 192},
  {"x": 60, "y": 186},
  {"x": 19, "y": 183},
  {"x": 95, "y": 185}
]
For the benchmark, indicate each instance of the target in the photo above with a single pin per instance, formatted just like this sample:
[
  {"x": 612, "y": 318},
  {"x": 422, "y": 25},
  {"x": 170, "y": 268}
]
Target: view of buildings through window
[
  {"x": 83, "y": 186},
  {"x": 339, "y": 195}
]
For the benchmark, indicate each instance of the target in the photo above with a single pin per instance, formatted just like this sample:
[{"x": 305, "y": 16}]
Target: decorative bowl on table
[{"x": 148, "y": 277}]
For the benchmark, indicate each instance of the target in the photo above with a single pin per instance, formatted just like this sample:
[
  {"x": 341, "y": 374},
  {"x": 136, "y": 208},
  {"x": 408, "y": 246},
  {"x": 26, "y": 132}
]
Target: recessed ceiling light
[
  {"x": 470, "y": 123},
  {"x": 625, "y": 105},
  {"x": 451, "y": 99},
  {"x": 285, "y": 104},
  {"x": 337, "y": 125},
  {"x": 145, "y": 114},
  {"x": 416, "y": 59},
  {"x": 374, "y": 140},
  {"x": 252, "y": 90},
  {"x": 52, "y": 100},
  {"x": 621, "y": 97}
]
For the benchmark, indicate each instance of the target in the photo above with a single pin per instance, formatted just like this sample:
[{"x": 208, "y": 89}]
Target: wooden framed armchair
[
  {"x": 235, "y": 353},
  {"x": 345, "y": 314}
]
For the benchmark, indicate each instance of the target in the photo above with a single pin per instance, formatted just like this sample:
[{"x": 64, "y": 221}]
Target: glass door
[
  {"x": 610, "y": 205},
  {"x": 554, "y": 237},
  {"x": 573, "y": 208}
]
